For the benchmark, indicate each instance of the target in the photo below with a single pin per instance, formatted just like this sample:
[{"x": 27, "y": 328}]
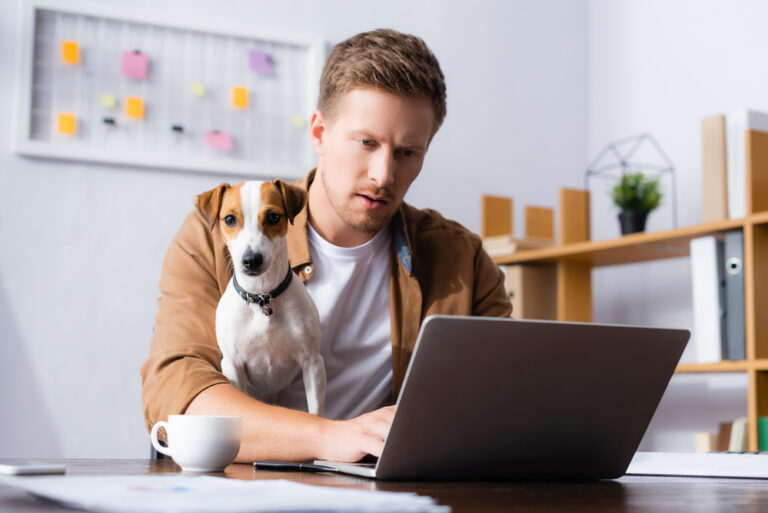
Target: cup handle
[{"x": 155, "y": 442}]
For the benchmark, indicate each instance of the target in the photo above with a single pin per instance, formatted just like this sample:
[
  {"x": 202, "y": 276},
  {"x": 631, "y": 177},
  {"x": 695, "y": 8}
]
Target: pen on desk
[{"x": 292, "y": 467}]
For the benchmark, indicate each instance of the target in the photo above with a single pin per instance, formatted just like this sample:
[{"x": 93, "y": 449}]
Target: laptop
[{"x": 500, "y": 399}]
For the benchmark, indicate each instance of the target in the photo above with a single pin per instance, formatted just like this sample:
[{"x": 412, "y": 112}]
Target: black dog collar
[{"x": 263, "y": 300}]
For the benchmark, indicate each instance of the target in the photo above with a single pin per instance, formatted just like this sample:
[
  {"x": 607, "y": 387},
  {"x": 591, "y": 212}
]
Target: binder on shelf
[
  {"x": 714, "y": 167},
  {"x": 735, "y": 333},
  {"x": 736, "y": 125},
  {"x": 762, "y": 433},
  {"x": 708, "y": 283},
  {"x": 723, "y": 436}
]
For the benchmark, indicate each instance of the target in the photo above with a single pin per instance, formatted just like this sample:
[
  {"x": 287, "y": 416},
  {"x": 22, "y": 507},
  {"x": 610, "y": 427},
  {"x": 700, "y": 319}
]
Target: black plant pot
[{"x": 632, "y": 221}]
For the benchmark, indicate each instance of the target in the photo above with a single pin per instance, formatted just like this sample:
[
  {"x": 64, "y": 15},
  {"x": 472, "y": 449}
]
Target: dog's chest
[{"x": 246, "y": 334}]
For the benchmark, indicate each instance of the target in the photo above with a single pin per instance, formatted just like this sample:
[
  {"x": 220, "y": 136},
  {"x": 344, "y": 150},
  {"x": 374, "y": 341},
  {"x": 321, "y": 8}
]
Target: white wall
[
  {"x": 660, "y": 66},
  {"x": 82, "y": 244}
]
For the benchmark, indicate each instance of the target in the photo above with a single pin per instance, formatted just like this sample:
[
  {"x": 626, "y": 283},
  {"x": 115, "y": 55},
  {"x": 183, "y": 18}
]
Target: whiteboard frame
[{"x": 23, "y": 143}]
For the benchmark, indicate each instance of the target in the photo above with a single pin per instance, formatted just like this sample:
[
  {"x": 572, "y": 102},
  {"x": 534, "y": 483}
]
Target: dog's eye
[
  {"x": 273, "y": 218},
  {"x": 230, "y": 220}
]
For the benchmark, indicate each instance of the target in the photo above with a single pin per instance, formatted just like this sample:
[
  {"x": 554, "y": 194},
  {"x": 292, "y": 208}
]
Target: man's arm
[
  {"x": 276, "y": 433},
  {"x": 183, "y": 371},
  {"x": 489, "y": 296}
]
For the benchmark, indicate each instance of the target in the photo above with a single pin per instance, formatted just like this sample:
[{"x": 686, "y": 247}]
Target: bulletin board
[{"x": 102, "y": 83}]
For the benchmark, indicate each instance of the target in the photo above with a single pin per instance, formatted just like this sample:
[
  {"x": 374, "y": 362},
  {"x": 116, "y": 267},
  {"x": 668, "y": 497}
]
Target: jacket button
[{"x": 308, "y": 269}]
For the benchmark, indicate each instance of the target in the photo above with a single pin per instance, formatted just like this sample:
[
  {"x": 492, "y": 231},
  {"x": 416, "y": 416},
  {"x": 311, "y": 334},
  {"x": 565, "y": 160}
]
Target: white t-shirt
[{"x": 350, "y": 287}]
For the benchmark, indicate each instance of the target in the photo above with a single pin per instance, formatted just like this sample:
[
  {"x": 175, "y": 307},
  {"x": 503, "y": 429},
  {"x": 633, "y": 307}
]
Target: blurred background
[{"x": 535, "y": 89}]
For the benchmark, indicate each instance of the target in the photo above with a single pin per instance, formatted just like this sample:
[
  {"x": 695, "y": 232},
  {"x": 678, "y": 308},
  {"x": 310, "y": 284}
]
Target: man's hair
[{"x": 383, "y": 59}]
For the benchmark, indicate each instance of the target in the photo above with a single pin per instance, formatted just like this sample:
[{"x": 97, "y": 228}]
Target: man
[{"x": 375, "y": 266}]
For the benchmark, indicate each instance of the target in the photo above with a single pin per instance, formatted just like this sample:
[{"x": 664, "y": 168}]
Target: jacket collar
[{"x": 298, "y": 242}]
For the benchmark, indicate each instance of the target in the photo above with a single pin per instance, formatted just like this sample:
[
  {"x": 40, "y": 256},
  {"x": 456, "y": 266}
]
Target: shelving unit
[{"x": 576, "y": 256}]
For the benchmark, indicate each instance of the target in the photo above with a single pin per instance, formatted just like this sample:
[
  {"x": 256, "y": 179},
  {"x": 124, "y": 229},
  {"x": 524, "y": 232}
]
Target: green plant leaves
[{"x": 636, "y": 192}]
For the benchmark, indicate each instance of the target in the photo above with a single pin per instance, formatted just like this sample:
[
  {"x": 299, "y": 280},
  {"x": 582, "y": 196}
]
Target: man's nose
[{"x": 382, "y": 169}]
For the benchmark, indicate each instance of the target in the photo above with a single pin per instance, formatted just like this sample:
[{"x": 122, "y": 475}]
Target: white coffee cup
[{"x": 200, "y": 443}]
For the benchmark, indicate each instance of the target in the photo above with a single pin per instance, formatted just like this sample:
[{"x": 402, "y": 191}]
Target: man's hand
[{"x": 350, "y": 440}]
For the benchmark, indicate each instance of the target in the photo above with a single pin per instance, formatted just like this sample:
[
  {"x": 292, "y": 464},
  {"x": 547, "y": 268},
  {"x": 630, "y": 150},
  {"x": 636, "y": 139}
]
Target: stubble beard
[{"x": 365, "y": 222}]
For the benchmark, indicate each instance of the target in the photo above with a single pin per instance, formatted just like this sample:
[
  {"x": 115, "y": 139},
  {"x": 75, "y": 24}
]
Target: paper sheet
[
  {"x": 70, "y": 52},
  {"x": 219, "y": 140},
  {"x": 197, "y": 494},
  {"x": 134, "y": 65},
  {"x": 699, "y": 465},
  {"x": 260, "y": 62},
  {"x": 66, "y": 123},
  {"x": 134, "y": 107},
  {"x": 240, "y": 97}
]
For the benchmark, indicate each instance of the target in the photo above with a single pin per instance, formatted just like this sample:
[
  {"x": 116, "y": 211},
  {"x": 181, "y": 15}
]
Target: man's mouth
[{"x": 372, "y": 202}]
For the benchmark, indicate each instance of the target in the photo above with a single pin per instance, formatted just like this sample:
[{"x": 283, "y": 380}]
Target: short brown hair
[{"x": 384, "y": 59}]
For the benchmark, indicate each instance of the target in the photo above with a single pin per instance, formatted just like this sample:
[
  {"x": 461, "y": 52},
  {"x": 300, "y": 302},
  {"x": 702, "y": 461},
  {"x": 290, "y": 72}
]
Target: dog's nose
[{"x": 252, "y": 261}]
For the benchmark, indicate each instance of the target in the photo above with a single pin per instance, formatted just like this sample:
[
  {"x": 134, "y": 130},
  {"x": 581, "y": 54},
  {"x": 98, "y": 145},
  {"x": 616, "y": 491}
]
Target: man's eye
[
  {"x": 273, "y": 218},
  {"x": 366, "y": 142},
  {"x": 230, "y": 220}
]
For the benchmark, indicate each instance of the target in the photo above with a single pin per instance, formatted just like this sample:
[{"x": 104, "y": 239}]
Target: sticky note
[
  {"x": 219, "y": 140},
  {"x": 70, "y": 52},
  {"x": 134, "y": 64},
  {"x": 134, "y": 107},
  {"x": 260, "y": 62},
  {"x": 66, "y": 123},
  {"x": 197, "y": 88},
  {"x": 298, "y": 121},
  {"x": 108, "y": 100},
  {"x": 240, "y": 97}
]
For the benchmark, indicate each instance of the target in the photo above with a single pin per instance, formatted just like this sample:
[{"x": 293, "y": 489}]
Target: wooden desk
[{"x": 630, "y": 493}]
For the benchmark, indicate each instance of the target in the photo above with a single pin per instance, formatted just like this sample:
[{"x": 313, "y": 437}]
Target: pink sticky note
[
  {"x": 260, "y": 62},
  {"x": 134, "y": 64},
  {"x": 219, "y": 140}
]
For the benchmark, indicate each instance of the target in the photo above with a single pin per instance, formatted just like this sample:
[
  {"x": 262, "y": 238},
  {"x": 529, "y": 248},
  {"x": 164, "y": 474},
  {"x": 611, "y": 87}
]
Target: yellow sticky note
[
  {"x": 108, "y": 100},
  {"x": 70, "y": 52},
  {"x": 240, "y": 97},
  {"x": 197, "y": 88},
  {"x": 298, "y": 121},
  {"x": 134, "y": 107},
  {"x": 66, "y": 123}
]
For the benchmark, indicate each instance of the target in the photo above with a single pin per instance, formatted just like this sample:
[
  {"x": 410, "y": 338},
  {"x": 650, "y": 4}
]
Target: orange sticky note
[
  {"x": 240, "y": 97},
  {"x": 134, "y": 107},
  {"x": 66, "y": 123},
  {"x": 70, "y": 52}
]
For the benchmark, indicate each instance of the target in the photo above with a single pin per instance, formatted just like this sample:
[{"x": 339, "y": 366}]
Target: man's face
[{"x": 370, "y": 153}]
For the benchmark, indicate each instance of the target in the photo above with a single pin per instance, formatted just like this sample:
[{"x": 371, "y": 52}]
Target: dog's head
[{"x": 253, "y": 217}]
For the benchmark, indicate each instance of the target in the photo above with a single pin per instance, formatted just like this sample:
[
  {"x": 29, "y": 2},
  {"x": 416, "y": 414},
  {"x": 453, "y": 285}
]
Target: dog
[{"x": 267, "y": 326}]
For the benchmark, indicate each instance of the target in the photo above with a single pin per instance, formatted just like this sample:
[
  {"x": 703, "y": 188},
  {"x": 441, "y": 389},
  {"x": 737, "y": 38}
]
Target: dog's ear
[
  {"x": 293, "y": 198},
  {"x": 209, "y": 204}
]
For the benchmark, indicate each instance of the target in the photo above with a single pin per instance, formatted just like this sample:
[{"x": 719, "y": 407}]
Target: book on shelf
[
  {"x": 708, "y": 284},
  {"x": 737, "y": 123},
  {"x": 723, "y": 436},
  {"x": 502, "y": 245},
  {"x": 532, "y": 290},
  {"x": 714, "y": 167},
  {"x": 705, "y": 442},
  {"x": 738, "y": 441}
]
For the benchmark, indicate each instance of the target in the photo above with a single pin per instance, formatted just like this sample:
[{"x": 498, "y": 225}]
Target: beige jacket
[{"x": 438, "y": 267}]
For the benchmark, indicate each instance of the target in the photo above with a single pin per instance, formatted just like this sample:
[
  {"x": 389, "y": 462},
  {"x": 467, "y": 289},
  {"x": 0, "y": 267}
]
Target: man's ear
[
  {"x": 209, "y": 204},
  {"x": 316, "y": 131},
  {"x": 294, "y": 198}
]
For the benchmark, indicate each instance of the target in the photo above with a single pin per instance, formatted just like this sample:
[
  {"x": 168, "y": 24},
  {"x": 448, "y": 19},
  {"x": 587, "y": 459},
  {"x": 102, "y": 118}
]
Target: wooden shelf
[
  {"x": 638, "y": 247},
  {"x": 724, "y": 366},
  {"x": 761, "y": 218}
]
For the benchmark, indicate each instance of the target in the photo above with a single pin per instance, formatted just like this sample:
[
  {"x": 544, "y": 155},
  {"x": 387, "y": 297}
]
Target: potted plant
[{"x": 636, "y": 195}]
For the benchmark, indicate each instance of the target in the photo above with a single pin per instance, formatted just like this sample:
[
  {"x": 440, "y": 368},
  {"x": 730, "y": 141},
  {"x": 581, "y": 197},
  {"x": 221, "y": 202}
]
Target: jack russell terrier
[{"x": 267, "y": 325}]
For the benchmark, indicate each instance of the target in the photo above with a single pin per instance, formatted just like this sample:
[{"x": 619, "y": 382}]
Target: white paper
[
  {"x": 196, "y": 494},
  {"x": 699, "y": 465}
]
